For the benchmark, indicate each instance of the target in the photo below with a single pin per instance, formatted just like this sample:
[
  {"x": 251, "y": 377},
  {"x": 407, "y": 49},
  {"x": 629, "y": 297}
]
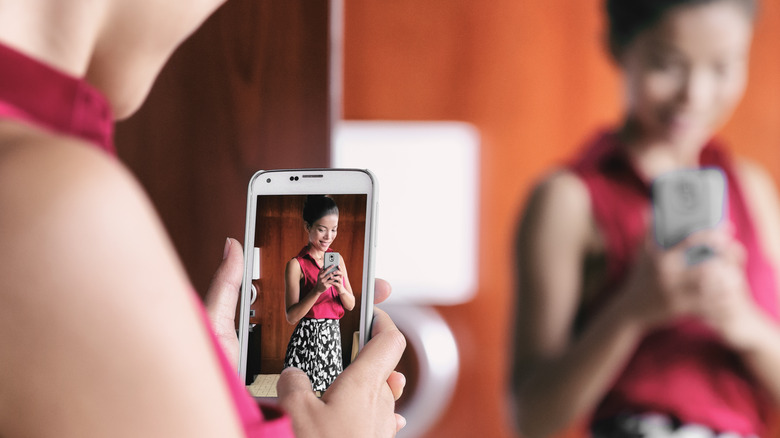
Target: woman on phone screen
[
  {"x": 316, "y": 297},
  {"x": 613, "y": 329}
]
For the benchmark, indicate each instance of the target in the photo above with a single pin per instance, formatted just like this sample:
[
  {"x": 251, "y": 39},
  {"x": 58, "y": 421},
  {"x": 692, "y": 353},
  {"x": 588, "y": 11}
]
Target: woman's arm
[
  {"x": 750, "y": 330},
  {"x": 297, "y": 308},
  {"x": 558, "y": 379},
  {"x": 345, "y": 288},
  {"x": 100, "y": 331}
]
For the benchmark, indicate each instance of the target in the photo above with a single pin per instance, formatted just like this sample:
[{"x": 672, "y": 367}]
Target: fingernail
[
  {"x": 227, "y": 248},
  {"x": 403, "y": 384}
]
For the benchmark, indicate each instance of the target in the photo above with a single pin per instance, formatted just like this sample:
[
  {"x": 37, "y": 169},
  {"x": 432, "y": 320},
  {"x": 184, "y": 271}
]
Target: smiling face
[
  {"x": 323, "y": 232},
  {"x": 685, "y": 74}
]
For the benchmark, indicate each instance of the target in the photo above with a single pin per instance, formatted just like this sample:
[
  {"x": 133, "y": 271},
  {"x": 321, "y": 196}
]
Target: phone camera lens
[
  {"x": 292, "y": 178},
  {"x": 268, "y": 180},
  {"x": 296, "y": 178}
]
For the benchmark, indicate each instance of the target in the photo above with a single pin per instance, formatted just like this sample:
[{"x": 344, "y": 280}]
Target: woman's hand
[
  {"x": 359, "y": 403},
  {"x": 222, "y": 298},
  {"x": 725, "y": 303},
  {"x": 660, "y": 286},
  {"x": 344, "y": 288},
  {"x": 663, "y": 287},
  {"x": 327, "y": 278}
]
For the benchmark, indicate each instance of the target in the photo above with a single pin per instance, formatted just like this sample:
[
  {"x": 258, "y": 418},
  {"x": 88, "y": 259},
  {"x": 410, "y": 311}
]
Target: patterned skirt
[
  {"x": 315, "y": 348},
  {"x": 654, "y": 425}
]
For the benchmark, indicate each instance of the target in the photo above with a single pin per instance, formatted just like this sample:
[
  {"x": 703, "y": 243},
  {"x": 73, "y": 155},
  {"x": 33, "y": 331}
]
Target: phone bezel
[{"x": 306, "y": 182}]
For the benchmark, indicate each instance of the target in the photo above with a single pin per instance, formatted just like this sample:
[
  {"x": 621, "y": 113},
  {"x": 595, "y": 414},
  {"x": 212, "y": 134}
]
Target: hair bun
[{"x": 318, "y": 206}]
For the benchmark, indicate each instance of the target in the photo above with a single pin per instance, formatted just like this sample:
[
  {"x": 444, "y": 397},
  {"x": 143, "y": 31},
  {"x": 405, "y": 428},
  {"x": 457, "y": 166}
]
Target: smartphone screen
[{"x": 278, "y": 242}]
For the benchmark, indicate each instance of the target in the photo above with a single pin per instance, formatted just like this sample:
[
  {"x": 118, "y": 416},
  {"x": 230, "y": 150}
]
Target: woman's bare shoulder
[
  {"x": 760, "y": 192},
  {"x": 564, "y": 183},
  {"x": 559, "y": 198},
  {"x": 293, "y": 264},
  {"x": 68, "y": 207},
  {"x": 37, "y": 162},
  {"x": 752, "y": 175},
  {"x": 55, "y": 190},
  {"x": 91, "y": 288}
]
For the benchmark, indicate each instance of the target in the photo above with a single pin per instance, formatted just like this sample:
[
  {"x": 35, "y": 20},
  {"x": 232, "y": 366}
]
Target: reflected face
[
  {"x": 323, "y": 232},
  {"x": 685, "y": 75}
]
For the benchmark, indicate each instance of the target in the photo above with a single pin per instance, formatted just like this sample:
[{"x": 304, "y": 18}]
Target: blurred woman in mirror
[{"x": 610, "y": 327}]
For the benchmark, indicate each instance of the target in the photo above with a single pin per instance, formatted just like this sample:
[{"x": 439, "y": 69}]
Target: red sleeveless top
[
  {"x": 328, "y": 305},
  {"x": 682, "y": 370},
  {"x": 38, "y": 94}
]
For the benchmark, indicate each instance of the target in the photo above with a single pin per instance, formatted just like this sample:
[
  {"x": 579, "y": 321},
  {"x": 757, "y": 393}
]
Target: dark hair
[
  {"x": 318, "y": 206},
  {"x": 628, "y": 18}
]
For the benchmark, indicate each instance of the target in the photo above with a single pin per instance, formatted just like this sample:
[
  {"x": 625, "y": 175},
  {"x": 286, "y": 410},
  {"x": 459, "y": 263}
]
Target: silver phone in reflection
[{"x": 686, "y": 201}]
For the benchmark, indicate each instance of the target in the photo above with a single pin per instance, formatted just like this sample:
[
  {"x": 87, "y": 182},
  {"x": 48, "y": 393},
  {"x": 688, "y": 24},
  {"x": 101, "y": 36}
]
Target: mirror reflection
[{"x": 307, "y": 310}]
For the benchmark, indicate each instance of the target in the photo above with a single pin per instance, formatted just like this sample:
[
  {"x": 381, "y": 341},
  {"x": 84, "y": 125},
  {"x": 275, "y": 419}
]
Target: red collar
[
  {"x": 304, "y": 253},
  {"x": 33, "y": 91},
  {"x": 608, "y": 153}
]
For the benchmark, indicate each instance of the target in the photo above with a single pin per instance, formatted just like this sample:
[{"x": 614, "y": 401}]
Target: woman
[
  {"x": 100, "y": 331},
  {"x": 613, "y": 329},
  {"x": 316, "y": 297}
]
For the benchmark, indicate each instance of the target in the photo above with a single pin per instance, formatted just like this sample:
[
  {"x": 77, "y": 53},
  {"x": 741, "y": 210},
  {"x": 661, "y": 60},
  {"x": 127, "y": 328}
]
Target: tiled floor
[{"x": 264, "y": 385}]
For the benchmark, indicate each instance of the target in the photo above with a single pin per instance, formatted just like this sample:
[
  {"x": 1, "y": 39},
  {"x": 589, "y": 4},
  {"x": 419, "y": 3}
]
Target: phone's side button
[{"x": 376, "y": 224}]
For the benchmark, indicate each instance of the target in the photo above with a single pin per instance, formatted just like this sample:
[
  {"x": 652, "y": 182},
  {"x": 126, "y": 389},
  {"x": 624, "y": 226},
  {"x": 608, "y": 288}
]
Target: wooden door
[{"x": 248, "y": 91}]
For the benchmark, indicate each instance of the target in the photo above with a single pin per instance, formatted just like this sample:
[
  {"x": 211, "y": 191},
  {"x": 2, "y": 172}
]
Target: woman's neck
[
  {"x": 60, "y": 34},
  {"x": 652, "y": 157},
  {"x": 315, "y": 253}
]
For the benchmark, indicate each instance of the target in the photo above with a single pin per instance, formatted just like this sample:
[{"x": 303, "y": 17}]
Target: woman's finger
[
  {"x": 293, "y": 389},
  {"x": 222, "y": 297},
  {"x": 400, "y": 422},
  {"x": 378, "y": 359},
  {"x": 382, "y": 290},
  {"x": 717, "y": 239},
  {"x": 397, "y": 382}
]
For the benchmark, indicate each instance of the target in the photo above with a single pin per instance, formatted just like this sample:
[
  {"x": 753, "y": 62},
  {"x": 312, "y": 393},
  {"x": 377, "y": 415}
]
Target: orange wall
[{"x": 533, "y": 78}]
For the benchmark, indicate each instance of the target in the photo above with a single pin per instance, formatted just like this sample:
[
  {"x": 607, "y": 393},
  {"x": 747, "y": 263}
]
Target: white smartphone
[
  {"x": 275, "y": 234},
  {"x": 686, "y": 201}
]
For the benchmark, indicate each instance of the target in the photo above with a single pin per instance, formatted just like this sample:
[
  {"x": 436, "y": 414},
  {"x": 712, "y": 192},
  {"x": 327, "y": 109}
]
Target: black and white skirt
[
  {"x": 315, "y": 348},
  {"x": 655, "y": 425}
]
